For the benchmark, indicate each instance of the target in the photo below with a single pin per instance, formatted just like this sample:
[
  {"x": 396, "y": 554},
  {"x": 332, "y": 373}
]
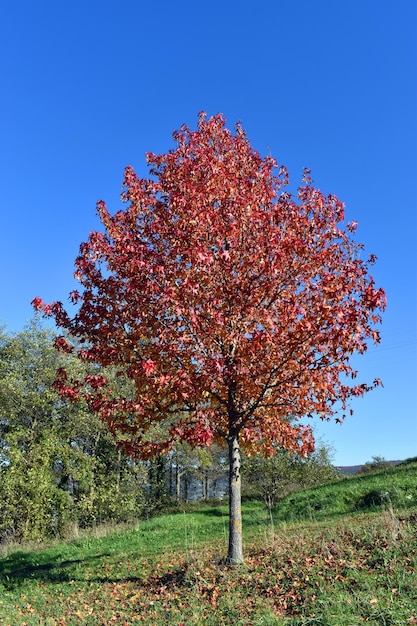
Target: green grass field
[{"x": 339, "y": 555}]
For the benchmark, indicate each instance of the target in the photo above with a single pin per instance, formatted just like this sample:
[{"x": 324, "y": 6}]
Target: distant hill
[{"x": 349, "y": 470}]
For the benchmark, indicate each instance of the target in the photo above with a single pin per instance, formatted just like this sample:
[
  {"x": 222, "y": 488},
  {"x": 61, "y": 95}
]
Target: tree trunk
[
  {"x": 118, "y": 469},
  {"x": 186, "y": 487},
  {"x": 205, "y": 486},
  {"x": 235, "y": 554}
]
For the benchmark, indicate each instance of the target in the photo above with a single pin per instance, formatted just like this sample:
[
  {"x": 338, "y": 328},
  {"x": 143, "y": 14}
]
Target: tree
[
  {"x": 197, "y": 472},
  {"x": 32, "y": 506},
  {"x": 274, "y": 477},
  {"x": 377, "y": 463},
  {"x": 59, "y": 465},
  {"x": 232, "y": 305}
]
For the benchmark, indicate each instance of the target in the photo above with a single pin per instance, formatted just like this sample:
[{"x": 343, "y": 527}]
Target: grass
[
  {"x": 343, "y": 569},
  {"x": 395, "y": 486}
]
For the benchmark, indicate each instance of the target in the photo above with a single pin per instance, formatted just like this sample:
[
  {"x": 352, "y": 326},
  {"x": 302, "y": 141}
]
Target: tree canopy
[{"x": 233, "y": 305}]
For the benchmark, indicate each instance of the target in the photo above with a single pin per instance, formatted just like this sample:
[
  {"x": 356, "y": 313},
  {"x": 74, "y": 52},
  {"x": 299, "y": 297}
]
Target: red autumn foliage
[
  {"x": 220, "y": 294},
  {"x": 232, "y": 305}
]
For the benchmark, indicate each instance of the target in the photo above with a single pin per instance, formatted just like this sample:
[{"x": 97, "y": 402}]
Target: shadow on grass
[
  {"x": 212, "y": 512},
  {"x": 20, "y": 566}
]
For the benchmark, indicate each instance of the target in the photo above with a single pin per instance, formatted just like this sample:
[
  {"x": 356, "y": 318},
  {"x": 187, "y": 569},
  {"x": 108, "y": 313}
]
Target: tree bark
[
  {"x": 178, "y": 482},
  {"x": 235, "y": 554}
]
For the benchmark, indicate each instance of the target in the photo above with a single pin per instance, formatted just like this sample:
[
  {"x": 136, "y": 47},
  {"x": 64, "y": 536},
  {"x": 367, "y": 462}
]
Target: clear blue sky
[{"x": 87, "y": 87}]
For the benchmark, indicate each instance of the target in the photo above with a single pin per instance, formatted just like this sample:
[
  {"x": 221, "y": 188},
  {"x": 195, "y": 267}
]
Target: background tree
[
  {"x": 273, "y": 478},
  {"x": 233, "y": 306},
  {"x": 377, "y": 463},
  {"x": 59, "y": 465},
  {"x": 196, "y": 472},
  {"x": 32, "y": 506},
  {"x": 211, "y": 470}
]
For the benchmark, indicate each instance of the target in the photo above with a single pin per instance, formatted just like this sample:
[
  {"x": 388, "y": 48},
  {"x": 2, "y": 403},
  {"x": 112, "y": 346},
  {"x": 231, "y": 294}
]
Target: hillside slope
[
  {"x": 392, "y": 487},
  {"x": 341, "y": 570}
]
